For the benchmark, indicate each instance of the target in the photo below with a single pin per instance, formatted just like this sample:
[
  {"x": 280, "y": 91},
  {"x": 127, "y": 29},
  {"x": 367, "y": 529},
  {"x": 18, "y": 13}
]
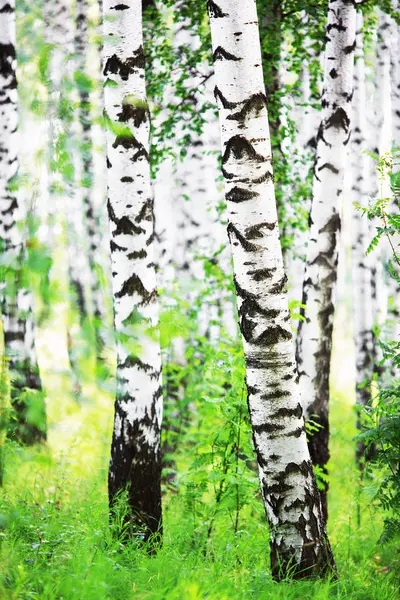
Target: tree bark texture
[
  {"x": 135, "y": 453},
  {"x": 18, "y": 325},
  {"x": 314, "y": 341},
  {"x": 299, "y": 544},
  {"x": 363, "y": 318}
]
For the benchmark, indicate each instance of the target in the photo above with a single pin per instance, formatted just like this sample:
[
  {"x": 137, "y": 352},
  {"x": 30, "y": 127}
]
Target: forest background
[{"x": 55, "y": 538}]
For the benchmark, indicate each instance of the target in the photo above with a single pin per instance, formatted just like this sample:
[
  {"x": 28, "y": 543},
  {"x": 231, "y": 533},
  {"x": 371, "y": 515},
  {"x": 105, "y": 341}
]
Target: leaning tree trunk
[
  {"x": 18, "y": 326},
  {"x": 363, "y": 318},
  {"x": 135, "y": 454},
  {"x": 314, "y": 342},
  {"x": 299, "y": 544}
]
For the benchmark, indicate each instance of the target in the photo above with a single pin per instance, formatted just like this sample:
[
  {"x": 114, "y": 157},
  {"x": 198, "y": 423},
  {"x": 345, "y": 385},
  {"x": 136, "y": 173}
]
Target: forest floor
[{"x": 55, "y": 541}]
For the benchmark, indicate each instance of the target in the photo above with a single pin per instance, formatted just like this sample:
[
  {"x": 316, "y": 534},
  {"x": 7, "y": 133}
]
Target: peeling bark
[
  {"x": 314, "y": 341},
  {"x": 299, "y": 544},
  {"x": 135, "y": 453}
]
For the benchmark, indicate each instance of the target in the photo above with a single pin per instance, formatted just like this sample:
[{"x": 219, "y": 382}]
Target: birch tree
[
  {"x": 18, "y": 325},
  {"x": 314, "y": 342},
  {"x": 361, "y": 263},
  {"x": 299, "y": 544},
  {"x": 135, "y": 453},
  {"x": 91, "y": 220}
]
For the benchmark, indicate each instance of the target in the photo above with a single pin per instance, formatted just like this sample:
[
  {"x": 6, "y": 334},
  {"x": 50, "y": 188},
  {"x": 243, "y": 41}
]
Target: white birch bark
[
  {"x": 395, "y": 80},
  {"x": 359, "y": 172},
  {"x": 91, "y": 219},
  {"x": 135, "y": 454},
  {"x": 314, "y": 341},
  {"x": 299, "y": 544},
  {"x": 18, "y": 325},
  {"x": 307, "y": 119}
]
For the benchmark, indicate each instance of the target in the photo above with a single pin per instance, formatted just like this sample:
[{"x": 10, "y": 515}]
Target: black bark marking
[
  {"x": 129, "y": 142},
  {"x": 330, "y": 167},
  {"x": 238, "y": 195},
  {"x": 218, "y": 95},
  {"x": 333, "y": 73},
  {"x": 214, "y": 10},
  {"x": 338, "y": 119},
  {"x": 126, "y": 179},
  {"x": 248, "y": 246},
  {"x": 278, "y": 287},
  {"x": 268, "y": 428},
  {"x": 137, "y": 254},
  {"x": 134, "y": 361},
  {"x": 254, "y": 232},
  {"x": 119, "y": 7},
  {"x": 241, "y": 149},
  {"x": 262, "y": 274},
  {"x": 137, "y": 114},
  {"x": 221, "y": 54},
  {"x": 115, "y": 247},
  {"x": 125, "y": 68},
  {"x": 350, "y": 49},
  {"x": 256, "y": 103},
  {"x": 134, "y": 285},
  {"x": 288, "y": 412}
]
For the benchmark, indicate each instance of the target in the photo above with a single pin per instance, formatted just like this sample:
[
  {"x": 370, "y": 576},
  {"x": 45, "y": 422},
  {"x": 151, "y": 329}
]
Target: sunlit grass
[{"x": 55, "y": 540}]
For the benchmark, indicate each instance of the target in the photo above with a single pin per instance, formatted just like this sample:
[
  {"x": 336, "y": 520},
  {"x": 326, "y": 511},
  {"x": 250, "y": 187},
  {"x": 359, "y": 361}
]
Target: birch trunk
[
  {"x": 135, "y": 454},
  {"x": 91, "y": 220},
  {"x": 299, "y": 544},
  {"x": 314, "y": 341},
  {"x": 18, "y": 325},
  {"x": 363, "y": 319},
  {"x": 395, "y": 79}
]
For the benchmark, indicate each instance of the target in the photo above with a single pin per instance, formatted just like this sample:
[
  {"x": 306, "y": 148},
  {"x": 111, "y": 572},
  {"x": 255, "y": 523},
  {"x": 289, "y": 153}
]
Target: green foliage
[{"x": 382, "y": 418}]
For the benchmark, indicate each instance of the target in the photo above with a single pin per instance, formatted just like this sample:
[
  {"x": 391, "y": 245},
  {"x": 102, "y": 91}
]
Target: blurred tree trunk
[
  {"x": 299, "y": 544},
  {"x": 91, "y": 220},
  {"x": 18, "y": 326},
  {"x": 359, "y": 173},
  {"x": 314, "y": 341},
  {"x": 135, "y": 454}
]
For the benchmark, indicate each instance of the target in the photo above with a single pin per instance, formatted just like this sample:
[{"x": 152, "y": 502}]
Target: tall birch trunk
[
  {"x": 363, "y": 318},
  {"x": 18, "y": 325},
  {"x": 91, "y": 220},
  {"x": 314, "y": 341},
  {"x": 299, "y": 544},
  {"x": 135, "y": 453}
]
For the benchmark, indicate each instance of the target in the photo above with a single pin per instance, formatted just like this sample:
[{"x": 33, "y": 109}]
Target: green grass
[
  {"x": 55, "y": 540},
  {"x": 56, "y": 543}
]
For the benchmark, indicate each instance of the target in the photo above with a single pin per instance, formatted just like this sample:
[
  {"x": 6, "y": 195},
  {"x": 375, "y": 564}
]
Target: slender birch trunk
[
  {"x": 314, "y": 341},
  {"x": 299, "y": 544},
  {"x": 135, "y": 454},
  {"x": 395, "y": 79},
  {"x": 307, "y": 120},
  {"x": 18, "y": 325},
  {"x": 91, "y": 220},
  {"x": 363, "y": 318}
]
